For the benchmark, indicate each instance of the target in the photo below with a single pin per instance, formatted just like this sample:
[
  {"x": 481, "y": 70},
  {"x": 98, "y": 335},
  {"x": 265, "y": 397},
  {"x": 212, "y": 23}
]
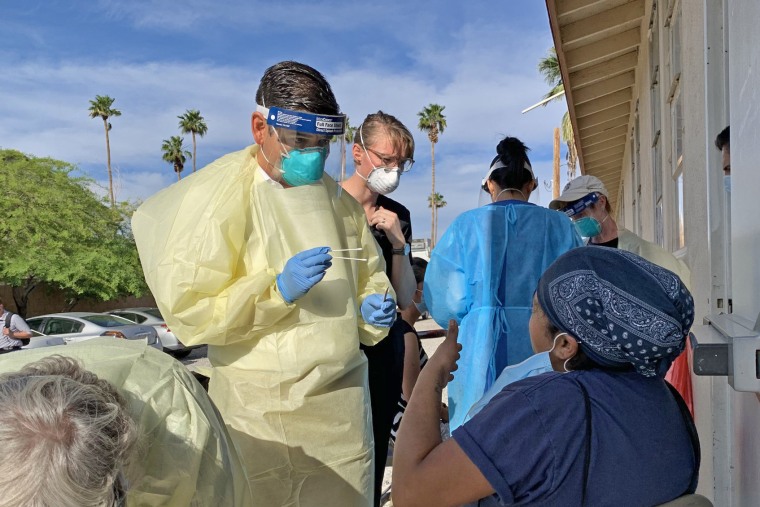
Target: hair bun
[{"x": 512, "y": 148}]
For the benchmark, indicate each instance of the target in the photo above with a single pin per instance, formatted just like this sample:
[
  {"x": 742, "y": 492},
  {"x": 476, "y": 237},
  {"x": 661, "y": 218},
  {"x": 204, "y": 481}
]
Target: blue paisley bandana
[{"x": 620, "y": 307}]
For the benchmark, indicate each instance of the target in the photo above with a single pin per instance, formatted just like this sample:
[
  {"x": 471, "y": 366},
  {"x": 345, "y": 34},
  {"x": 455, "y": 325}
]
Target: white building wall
[
  {"x": 744, "y": 88},
  {"x": 728, "y": 422}
]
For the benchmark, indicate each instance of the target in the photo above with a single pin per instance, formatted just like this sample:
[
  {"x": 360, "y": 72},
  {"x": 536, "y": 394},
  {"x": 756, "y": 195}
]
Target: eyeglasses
[
  {"x": 403, "y": 164},
  {"x": 301, "y": 140}
]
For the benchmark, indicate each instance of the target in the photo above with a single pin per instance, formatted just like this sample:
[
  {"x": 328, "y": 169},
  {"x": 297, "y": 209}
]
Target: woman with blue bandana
[
  {"x": 484, "y": 270},
  {"x": 603, "y": 428}
]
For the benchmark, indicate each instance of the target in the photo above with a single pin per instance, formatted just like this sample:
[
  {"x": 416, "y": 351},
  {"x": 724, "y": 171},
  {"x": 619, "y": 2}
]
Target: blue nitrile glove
[
  {"x": 302, "y": 272},
  {"x": 378, "y": 313}
]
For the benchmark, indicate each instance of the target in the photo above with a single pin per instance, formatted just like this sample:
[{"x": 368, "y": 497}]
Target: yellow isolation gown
[{"x": 289, "y": 379}]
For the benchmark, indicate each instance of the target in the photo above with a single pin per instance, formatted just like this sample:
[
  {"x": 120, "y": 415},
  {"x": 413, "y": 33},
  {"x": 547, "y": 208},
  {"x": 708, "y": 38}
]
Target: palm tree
[
  {"x": 350, "y": 132},
  {"x": 101, "y": 107},
  {"x": 549, "y": 68},
  {"x": 193, "y": 123},
  {"x": 439, "y": 202},
  {"x": 433, "y": 122},
  {"x": 175, "y": 153}
]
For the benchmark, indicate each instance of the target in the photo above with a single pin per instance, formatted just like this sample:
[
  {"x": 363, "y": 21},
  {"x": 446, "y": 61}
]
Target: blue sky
[{"x": 158, "y": 58}]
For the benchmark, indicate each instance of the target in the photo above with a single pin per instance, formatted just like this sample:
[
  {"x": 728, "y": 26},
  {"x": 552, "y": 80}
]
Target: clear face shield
[
  {"x": 310, "y": 145},
  {"x": 484, "y": 197}
]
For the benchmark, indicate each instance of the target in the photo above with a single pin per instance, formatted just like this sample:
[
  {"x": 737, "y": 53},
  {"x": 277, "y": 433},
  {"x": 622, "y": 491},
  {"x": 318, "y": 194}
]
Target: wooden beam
[
  {"x": 604, "y": 70},
  {"x": 606, "y": 168},
  {"x": 565, "y": 7},
  {"x": 585, "y": 8},
  {"x": 613, "y": 84},
  {"x": 604, "y": 49},
  {"x": 604, "y": 116},
  {"x": 603, "y": 102},
  {"x": 610, "y": 143},
  {"x": 602, "y": 127},
  {"x": 609, "y": 174},
  {"x": 615, "y": 20},
  {"x": 604, "y": 136},
  {"x": 615, "y": 151},
  {"x": 618, "y": 157}
]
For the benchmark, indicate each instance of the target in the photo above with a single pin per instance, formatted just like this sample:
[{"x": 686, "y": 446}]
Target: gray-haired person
[{"x": 65, "y": 437}]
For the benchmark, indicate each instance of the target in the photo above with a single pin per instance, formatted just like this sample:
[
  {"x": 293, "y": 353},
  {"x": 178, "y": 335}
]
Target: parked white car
[
  {"x": 152, "y": 317},
  {"x": 40, "y": 340},
  {"x": 78, "y": 326}
]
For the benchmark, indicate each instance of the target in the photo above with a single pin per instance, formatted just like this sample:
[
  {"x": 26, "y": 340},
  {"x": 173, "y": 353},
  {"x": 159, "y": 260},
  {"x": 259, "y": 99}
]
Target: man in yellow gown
[{"x": 237, "y": 257}]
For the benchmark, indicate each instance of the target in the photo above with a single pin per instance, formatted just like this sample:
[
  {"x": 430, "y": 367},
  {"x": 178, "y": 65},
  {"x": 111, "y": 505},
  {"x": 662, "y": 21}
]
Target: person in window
[
  {"x": 723, "y": 143},
  {"x": 603, "y": 428},
  {"x": 484, "y": 270}
]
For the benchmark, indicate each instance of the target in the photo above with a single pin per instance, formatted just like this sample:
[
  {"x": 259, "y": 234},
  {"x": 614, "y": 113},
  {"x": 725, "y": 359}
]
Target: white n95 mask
[{"x": 383, "y": 180}]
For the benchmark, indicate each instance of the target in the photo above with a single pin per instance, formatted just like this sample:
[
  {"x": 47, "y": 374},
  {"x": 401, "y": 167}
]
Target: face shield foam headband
[{"x": 499, "y": 165}]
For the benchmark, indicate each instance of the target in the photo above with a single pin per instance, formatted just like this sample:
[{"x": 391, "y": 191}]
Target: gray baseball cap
[{"x": 578, "y": 188}]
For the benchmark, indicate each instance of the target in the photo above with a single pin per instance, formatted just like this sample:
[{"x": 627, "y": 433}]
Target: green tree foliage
[
  {"x": 433, "y": 122},
  {"x": 174, "y": 152},
  {"x": 101, "y": 108},
  {"x": 193, "y": 123},
  {"x": 55, "y": 230},
  {"x": 439, "y": 201},
  {"x": 350, "y": 132}
]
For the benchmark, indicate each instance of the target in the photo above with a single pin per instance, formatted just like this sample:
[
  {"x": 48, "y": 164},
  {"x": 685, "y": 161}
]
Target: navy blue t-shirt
[{"x": 530, "y": 441}]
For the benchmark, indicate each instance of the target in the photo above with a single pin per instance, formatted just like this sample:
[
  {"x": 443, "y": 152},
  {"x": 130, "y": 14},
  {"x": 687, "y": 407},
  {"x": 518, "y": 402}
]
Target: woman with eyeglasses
[
  {"x": 483, "y": 272},
  {"x": 383, "y": 150}
]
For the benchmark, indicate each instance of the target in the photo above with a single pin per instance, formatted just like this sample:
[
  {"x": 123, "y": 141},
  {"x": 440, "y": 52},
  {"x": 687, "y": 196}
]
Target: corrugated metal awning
[{"x": 597, "y": 43}]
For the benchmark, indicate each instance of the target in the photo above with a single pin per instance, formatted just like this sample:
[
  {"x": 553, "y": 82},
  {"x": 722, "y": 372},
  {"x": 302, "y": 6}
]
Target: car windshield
[
  {"x": 107, "y": 320},
  {"x": 153, "y": 312}
]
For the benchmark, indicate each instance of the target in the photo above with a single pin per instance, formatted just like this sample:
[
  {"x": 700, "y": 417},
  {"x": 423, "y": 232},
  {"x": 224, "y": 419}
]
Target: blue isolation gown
[{"x": 483, "y": 274}]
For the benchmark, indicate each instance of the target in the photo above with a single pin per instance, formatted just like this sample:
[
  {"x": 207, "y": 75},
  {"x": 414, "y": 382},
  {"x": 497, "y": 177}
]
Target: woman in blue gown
[{"x": 485, "y": 269}]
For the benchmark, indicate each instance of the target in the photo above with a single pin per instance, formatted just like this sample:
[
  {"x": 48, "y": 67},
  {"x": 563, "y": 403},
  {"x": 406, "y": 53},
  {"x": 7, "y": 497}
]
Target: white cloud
[{"x": 482, "y": 70}]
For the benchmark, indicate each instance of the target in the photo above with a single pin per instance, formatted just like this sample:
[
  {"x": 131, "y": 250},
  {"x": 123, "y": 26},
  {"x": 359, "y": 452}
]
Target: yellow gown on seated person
[{"x": 185, "y": 455}]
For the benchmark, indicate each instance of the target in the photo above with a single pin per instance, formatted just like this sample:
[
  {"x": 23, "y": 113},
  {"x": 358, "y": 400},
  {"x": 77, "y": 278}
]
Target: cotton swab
[
  {"x": 350, "y": 258},
  {"x": 346, "y": 249}
]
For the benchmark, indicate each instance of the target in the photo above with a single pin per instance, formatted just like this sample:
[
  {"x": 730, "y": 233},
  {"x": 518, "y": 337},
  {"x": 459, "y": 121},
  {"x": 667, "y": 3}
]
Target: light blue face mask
[
  {"x": 588, "y": 227},
  {"x": 727, "y": 183},
  {"x": 534, "y": 365},
  {"x": 303, "y": 167}
]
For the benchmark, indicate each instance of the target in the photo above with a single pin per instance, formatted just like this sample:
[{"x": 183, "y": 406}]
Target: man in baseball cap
[{"x": 585, "y": 200}]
